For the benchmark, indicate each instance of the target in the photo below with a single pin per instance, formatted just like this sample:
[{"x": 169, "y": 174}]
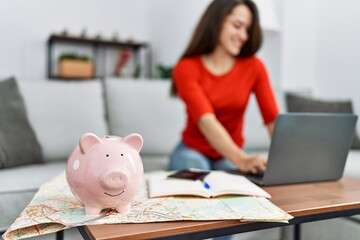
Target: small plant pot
[{"x": 69, "y": 68}]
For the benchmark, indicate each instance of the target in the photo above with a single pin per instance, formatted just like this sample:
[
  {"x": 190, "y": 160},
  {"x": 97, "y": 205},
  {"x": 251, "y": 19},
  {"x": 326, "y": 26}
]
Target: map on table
[{"x": 55, "y": 208}]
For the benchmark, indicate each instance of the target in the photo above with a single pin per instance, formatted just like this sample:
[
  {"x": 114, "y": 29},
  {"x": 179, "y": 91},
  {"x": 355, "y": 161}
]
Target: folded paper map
[{"x": 55, "y": 208}]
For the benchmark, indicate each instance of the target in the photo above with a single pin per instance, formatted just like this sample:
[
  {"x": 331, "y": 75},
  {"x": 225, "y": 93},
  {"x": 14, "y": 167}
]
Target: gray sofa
[{"x": 60, "y": 112}]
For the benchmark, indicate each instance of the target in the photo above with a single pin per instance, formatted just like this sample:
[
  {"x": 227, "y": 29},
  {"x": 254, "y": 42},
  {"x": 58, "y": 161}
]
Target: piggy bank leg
[
  {"x": 92, "y": 210},
  {"x": 123, "y": 208}
]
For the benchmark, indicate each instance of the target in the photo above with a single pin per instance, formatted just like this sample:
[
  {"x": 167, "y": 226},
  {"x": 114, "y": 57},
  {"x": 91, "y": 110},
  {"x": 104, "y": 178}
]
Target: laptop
[{"x": 308, "y": 147}]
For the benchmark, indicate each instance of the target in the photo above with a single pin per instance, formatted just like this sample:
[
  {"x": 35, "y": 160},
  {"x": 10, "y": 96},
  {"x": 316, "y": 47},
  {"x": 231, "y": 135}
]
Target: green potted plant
[
  {"x": 164, "y": 71},
  {"x": 73, "y": 65}
]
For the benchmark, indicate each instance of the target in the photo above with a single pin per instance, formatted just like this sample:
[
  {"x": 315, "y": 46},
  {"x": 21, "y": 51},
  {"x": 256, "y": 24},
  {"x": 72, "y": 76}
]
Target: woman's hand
[
  {"x": 252, "y": 164},
  {"x": 220, "y": 139}
]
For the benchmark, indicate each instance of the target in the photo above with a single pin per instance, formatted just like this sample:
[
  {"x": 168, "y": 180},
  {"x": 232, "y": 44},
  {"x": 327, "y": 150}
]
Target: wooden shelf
[
  {"x": 96, "y": 45},
  {"x": 107, "y": 43}
]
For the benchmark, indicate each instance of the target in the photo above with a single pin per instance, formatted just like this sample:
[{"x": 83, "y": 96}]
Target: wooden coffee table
[{"x": 306, "y": 202}]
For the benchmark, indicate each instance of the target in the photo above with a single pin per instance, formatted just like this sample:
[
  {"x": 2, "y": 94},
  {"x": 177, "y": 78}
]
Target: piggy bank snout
[{"x": 113, "y": 180}]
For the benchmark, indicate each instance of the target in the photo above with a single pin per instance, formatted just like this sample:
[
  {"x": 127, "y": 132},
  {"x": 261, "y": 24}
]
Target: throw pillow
[
  {"x": 297, "y": 103},
  {"x": 18, "y": 143}
]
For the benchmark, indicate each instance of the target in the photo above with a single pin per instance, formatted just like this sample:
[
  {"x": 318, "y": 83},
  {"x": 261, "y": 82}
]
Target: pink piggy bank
[{"x": 106, "y": 172}]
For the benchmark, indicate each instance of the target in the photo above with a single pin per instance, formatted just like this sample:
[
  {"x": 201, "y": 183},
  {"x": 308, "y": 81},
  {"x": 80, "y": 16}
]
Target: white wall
[
  {"x": 338, "y": 51},
  {"x": 26, "y": 25},
  {"x": 320, "y": 48},
  {"x": 317, "y": 45},
  {"x": 171, "y": 26},
  {"x": 299, "y": 28},
  {"x": 171, "y": 30},
  {"x": 166, "y": 24}
]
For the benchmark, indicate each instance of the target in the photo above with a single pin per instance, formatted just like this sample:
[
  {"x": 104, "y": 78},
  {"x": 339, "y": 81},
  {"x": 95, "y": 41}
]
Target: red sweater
[{"x": 226, "y": 96}]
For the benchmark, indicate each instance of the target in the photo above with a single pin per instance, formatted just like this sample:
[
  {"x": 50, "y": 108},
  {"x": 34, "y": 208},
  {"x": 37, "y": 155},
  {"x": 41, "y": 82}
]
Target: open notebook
[{"x": 214, "y": 184}]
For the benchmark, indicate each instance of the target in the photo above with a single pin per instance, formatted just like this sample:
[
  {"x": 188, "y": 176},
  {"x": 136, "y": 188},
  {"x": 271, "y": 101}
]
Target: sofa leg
[{"x": 60, "y": 235}]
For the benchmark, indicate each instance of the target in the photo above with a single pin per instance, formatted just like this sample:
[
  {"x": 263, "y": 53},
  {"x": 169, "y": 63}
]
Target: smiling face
[{"x": 235, "y": 30}]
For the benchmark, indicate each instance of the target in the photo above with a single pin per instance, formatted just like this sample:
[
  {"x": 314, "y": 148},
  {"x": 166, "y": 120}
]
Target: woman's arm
[
  {"x": 270, "y": 128},
  {"x": 222, "y": 142}
]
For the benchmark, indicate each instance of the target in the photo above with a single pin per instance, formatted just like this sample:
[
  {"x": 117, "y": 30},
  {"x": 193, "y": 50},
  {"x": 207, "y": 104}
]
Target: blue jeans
[{"x": 184, "y": 157}]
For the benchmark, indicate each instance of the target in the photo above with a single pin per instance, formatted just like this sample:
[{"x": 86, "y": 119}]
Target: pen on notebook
[{"x": 206, "y": 185}]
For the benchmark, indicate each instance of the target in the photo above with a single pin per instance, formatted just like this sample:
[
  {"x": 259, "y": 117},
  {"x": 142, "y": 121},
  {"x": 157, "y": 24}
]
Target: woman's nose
[{"x": 243, "y": 35}]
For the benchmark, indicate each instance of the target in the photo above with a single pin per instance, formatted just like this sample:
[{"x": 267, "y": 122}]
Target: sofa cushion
[
  {"x": 62, "y": 111},
  {"x": 145, "y": 107},
  {"x": 297, "y": 103},
  {"x": 18, "y": 143},
  {"x": 155, "y": 162},
  {"x": 29, "y": 177},
  {"x": 352, "y": 167}
]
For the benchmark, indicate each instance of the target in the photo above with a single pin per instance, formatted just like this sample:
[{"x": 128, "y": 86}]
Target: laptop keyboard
[
  {"x": 238, "y": 172},
  {"x": 257, "y": 178}
]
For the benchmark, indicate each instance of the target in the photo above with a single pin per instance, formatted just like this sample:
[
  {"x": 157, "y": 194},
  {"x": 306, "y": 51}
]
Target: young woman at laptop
[{"x": 215, "y": 77}]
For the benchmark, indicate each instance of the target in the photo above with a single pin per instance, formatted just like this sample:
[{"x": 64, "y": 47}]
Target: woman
[{"x": 215, "y": 77}]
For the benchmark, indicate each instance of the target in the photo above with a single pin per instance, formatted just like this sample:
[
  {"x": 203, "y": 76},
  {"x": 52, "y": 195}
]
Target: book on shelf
[{"x": 215, "y": 183}]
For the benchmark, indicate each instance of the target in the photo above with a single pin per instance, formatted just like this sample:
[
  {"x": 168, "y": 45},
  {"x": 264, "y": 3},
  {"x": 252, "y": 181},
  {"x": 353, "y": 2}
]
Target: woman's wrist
[{"x": 240, "y": 159}]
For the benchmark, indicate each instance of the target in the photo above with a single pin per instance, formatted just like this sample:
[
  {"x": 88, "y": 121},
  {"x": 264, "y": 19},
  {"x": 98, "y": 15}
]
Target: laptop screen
[{"x": 309, "y": 147}]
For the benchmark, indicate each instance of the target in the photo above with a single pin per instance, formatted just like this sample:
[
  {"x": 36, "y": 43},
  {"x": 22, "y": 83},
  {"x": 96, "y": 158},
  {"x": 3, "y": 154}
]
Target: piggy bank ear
[
  {"x": 87, "y": 141},
  {"x": 134, "y": 140}
]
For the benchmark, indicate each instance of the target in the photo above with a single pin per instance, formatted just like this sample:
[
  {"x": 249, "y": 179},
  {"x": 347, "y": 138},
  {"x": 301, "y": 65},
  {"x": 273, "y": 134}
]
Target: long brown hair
[{"x": 207, "y": 32}]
